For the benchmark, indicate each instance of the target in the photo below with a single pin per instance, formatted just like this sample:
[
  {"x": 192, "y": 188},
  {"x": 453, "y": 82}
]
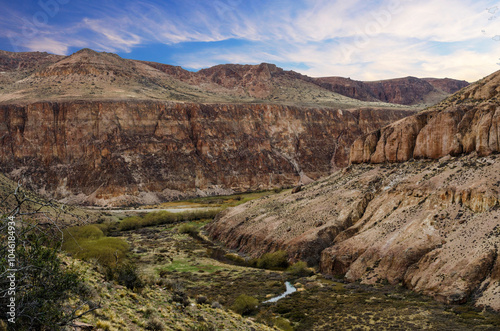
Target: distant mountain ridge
[
  {"x": 87, "y": 74},
  {"x": 404, "y": 91},
  {"x": 257, "y": 78}
]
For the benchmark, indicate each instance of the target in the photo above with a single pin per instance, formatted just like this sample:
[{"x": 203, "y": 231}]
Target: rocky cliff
[
  {"x": 469, "y": 121},
  {"x": 431, "y": 225},
  {"x": 122, "y": 152}
]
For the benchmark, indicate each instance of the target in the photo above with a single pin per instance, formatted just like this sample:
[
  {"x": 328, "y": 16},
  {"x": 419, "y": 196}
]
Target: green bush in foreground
[
  {"x": 299, "y": 269},
  {"x": 245, "y": 305},
  {"x": 275, "y": 261},
  {"x": 43, "y": 285},
  {"x": 88, "y": 242}
]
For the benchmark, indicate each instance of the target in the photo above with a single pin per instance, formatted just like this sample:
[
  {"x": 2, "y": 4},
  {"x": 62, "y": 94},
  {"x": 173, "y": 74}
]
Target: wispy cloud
[
  {"x": 47, "y": 45},
  {"x": 364, "y": 40}
]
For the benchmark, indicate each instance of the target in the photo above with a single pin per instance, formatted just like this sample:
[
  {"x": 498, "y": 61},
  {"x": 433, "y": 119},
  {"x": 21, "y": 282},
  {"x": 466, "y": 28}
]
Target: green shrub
[
  {"x": 187, "y": 228},
  {"x": 83, "y": 232},
  {"x": 88, "y": 242},
  {"x": 283, "y": 324},
  {"x": 236, "y": 259},
  {"x": 125, "y": 274},
  {"x": 45, "y": 286},
  {"x": 276, "y": 261},
  {"x": 300, "y": 269},
  {"x": 165, "y": 217},
  {"x": 245, "y": 305},
  {"x": 130, "y": 223}
]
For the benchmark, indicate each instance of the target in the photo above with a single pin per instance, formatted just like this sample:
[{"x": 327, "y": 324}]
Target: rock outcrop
[
  {"x": 122, "y": 152},
  {"x": 467, "y": 122},
  {"x": 432, "y": 226}
]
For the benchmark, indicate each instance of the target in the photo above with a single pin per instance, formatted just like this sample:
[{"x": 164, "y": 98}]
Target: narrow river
[{"x": 289, "y": 290}]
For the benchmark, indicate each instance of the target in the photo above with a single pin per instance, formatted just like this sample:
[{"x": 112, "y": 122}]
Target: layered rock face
[
  {"x": 467, "y": 122},
  {"x": 126, "y": 152},
  {"x": 432, "y": 225}
]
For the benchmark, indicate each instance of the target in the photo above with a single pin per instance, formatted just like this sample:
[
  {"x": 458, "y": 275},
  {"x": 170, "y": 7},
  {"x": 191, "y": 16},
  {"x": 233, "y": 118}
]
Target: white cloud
[
  {"x": 47, "y": 45},
  {"x": 115, "y": 39}
]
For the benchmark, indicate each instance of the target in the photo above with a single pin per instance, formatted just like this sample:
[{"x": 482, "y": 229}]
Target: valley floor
[{"x": 173, "y": 262}]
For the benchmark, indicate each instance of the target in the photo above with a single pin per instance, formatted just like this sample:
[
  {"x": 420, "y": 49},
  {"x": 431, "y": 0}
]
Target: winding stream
[{"x": 289, "y": 290}]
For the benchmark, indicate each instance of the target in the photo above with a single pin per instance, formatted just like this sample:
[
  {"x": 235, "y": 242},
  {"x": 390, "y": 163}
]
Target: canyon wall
[
  {"x": 124, "y": 152},
  {"x": 467, "y": 122}
]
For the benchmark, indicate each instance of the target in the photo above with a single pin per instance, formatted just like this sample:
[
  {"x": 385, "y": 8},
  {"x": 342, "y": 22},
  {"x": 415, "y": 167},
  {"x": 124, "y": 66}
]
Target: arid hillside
[
  {"x": 404, "y": 91},
  {"x": 430, "y": 220},
  {"x": 89, "y": 75}
]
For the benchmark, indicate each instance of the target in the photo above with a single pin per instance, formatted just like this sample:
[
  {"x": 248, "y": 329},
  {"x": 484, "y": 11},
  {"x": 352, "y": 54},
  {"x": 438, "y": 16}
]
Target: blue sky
[{"x": 366, "y": 40}]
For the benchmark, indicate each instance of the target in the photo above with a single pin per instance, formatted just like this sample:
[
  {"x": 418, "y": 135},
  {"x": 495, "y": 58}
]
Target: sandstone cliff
[
  {"x": 468, "y": 121},
  {"x": 126, "y": 152},
  {"x": 432, "y": 226}
]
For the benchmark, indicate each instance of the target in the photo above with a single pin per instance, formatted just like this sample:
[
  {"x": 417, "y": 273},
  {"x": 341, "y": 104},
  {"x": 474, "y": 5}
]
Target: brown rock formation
[
  {"x": 404, "y": 91},
  {"x": 27, "y": 61},
  {"x": 446, "y": 84},
  {"x": 467, "y": 122},
  {"x": 132, "y": 151}
]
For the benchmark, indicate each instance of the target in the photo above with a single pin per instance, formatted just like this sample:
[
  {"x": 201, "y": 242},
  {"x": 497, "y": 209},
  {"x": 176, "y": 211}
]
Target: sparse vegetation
[
  {"x": 300, "y": 269},
  {"x": 165, "y": 217},
  {"x": 245, "y": 305},
  {"x": 274, "y": 261}
]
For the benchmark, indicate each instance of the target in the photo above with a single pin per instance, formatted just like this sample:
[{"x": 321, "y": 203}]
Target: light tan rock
[{"x": 464, "y": 123}]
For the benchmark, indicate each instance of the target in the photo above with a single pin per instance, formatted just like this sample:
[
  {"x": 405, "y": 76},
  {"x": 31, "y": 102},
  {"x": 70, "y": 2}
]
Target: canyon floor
[
  {"x": 193, "y": 265},
  {"x": 430, "y": 225}
]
